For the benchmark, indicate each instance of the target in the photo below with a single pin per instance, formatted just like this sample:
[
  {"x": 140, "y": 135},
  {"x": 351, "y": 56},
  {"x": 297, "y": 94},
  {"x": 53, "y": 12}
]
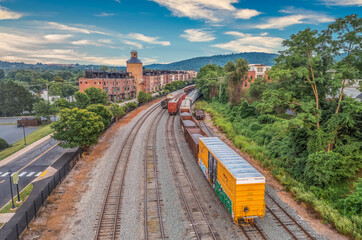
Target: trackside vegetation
[{"x": 299, "y": 124}]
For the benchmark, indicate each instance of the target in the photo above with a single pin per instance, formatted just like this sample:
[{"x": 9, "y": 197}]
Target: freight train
[{"x": 240, "y": 187}]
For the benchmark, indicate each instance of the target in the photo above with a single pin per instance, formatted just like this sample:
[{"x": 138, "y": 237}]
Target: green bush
[
  {"x": 131, "y": 105},
  {"x": 3, "y": 144},
  {"x": 142, "y": 97}
]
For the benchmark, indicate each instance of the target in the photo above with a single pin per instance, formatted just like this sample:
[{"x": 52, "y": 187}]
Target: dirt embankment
[{"x": 53, "y": 219}]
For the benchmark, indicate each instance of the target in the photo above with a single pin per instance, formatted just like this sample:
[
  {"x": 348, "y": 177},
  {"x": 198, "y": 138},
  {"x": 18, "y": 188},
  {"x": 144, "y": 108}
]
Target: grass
[
  {"x": 32, "y": 137},
  {"x": 345, "y": 225},
  {"x": 24, "y": 194},
  {"x": 7, "y": 124}
]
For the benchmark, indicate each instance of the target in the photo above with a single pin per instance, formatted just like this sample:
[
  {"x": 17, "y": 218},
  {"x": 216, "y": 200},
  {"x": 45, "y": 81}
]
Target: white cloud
[
  {"x": 58, "y": 26},
  {"x": 251, "y": 43},
  {"x": 198, "y": 35},
  {"x": 144, "y": 38},
  {"x": 282, "y": 22},
  {"x": 211, "y": 10},
  {"x": 8, "y": 14},
  {"x": 58, "y": 37},
  {"x": 108, "y": 41},
  {"x": 133, "y": 44},
  {"x": 246, "y": 13},
  {"x": 235, "y": 33},
  {"x": 104, "y": 14},
  {"x": 343, "y": 2}
]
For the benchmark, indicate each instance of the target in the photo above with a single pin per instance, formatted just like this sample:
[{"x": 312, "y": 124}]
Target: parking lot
[{"x": 12, "y": 134}]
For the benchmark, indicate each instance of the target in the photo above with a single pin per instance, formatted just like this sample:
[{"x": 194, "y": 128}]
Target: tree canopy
[{"x": 77, "y": 128}]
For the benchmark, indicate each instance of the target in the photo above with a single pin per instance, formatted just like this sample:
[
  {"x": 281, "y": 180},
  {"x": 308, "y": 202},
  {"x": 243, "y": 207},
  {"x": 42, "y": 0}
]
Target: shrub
[
  {"x": 142, "y": 97},
  {"x": 117, "y": 111},
  {"x": 3, "y": 144},
  {"x": 131, "y": 105}
]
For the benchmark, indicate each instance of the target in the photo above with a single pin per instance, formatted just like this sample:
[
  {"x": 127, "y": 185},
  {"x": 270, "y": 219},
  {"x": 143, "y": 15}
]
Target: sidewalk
[{"x": 24, "y": 150}]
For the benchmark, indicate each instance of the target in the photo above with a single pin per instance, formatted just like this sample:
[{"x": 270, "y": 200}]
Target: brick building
[
  {"x": 256, "y": 71},
  {"x": 118, "y": 85},
  {"x": 122, "y": 85}
]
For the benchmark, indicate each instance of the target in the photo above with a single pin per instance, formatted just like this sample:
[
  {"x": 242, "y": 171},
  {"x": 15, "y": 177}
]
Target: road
[{"x": 30, "y": 165}]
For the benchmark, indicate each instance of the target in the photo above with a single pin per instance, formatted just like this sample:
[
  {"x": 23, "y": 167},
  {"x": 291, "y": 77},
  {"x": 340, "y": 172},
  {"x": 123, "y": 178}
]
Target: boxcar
[
  {"x": 240, "y": 187},
  {"x": 174, "y": 104}
]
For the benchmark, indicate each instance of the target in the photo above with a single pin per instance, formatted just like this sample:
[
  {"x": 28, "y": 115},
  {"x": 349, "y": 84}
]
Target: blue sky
[{"x": 104, "y": 32}]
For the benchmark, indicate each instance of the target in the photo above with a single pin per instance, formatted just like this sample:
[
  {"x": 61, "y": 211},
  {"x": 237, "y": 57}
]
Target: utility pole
[
  {"x": 24, "y": 134},
  {"x": 11, "y": 190},
  {"x": 48, "y": 92}
]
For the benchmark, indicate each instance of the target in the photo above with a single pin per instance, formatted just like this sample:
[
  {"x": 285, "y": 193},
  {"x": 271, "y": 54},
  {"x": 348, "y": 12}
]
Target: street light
[{"x": 11, "y": 190}]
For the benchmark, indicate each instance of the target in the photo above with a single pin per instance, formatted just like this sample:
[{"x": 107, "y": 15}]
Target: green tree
[
  {"x": 96, "y": 95},
  {"x": 236, "y": 74},
  {"x": 256, "y": 89},
  {"x": 55, "y": 89},
  {"x": 103, "y": 68},
  {"x": 142, "y": 97},
  {"x": 117, "y": 111},
  {"x": 82, "y": 100},
  {"x": 14, "y": 99},
  {"x": 102, "y": 111},
  {"x": 77, "y": 128},
  {"x": 58, "y": 79},
  {"x": 210, "y": 81},
  {"x": 2, "y": 74},
  {"x": 62, "y": 103},
  {"x": 44, "y": 109}
]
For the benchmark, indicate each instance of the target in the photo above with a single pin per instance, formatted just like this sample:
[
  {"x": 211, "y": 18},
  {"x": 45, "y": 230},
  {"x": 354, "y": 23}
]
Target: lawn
[
  {"x": 24, "y": 194},
  {"x": 32, "y": 137}
]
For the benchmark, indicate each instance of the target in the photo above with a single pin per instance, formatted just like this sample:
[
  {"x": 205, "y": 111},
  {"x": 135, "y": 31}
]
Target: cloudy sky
[{"x": 104, "y": 32}]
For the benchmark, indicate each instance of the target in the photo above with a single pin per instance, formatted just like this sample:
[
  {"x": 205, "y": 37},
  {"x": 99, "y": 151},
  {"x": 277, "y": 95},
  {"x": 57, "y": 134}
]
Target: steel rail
[
  {"x": 134, "y": 130},
  {"x": 188, "y": 179},
  {"x": 147, "y": 148},
  {"x": 290, "y": 217}
]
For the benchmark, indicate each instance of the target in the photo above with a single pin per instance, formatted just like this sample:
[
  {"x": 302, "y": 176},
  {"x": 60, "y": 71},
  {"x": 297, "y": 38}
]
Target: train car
[
  {"x": 185, "y": 106},
  {"x": 193, "y": 96},
  {"x": 164, "y": 102},
  {"x": 189, "y": 88},
  {"x": 240, "y": 187},
  {"x": 188, "y": 123},
  {"x": 192, "y": 136},
  {"x": 174, "y": 104},
  {"x": 199, "y": 114}
]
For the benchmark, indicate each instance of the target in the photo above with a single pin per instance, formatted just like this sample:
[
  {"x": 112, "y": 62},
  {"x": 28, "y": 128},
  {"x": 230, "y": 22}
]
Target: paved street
[{"x": 31, "y": 165}]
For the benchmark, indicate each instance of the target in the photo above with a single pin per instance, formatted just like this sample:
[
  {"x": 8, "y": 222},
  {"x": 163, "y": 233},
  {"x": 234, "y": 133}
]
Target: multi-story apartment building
[
  {"x": 118, "y": 85},
  {"x": 122, "y": 85}
]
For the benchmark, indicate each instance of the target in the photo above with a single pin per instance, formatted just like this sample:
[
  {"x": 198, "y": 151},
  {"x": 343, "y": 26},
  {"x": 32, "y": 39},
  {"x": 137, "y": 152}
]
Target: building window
[
  {"x": 251, "y": 77},
  {"x": 86, "y": 82},
  {"x": 259, "y": 69},
  {"x": 99, "y": 83},
  {"x": 81, "y": 82},
  {"x": 246, "y": 84}
]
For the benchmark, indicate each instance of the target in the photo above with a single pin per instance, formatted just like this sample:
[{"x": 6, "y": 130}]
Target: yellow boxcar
[{"x": 239, "y": 185}]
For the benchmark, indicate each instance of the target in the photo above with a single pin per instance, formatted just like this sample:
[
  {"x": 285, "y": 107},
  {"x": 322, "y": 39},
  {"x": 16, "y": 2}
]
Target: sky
[{"x": 104, "y": 32}]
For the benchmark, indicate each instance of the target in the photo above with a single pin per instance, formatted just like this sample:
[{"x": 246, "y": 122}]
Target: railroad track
[
  {"x": 204, "y": 127},
  {"x": 109, "y": 218},
  {"x": 200, "y": 225},
  {"x": 154, "y": 227},
  {"x": 252, "y": 232},
  {"x": 295, "y": 230}
]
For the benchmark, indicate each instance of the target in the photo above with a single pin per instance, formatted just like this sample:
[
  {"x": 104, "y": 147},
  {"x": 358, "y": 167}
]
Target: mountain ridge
[{"x": 187, "y": 64}]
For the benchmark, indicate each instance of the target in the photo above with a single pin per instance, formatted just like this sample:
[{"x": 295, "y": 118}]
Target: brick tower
[{"x": 135, "y": 66}]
